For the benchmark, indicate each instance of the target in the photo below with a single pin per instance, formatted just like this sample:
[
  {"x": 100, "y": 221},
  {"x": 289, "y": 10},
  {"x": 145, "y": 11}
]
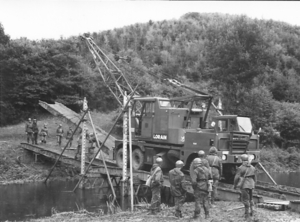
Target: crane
[{"x": 111, "y": 75}]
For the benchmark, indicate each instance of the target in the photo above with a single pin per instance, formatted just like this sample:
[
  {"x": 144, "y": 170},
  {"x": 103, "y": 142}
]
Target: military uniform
[
  {"x": 176, "y": 178},
  {"x": 44, "y": 134},
  {"x": 201, "y": 190},
  {"x": 247, "y": 171},
  {"x": 192, "y": 167},
  {"x": 28, "y": 130},
  {"x": 155, "y": 185},
  {"x": 35, "y": 131},
  {"x": 59, "y": 134},
  {"x": 69, "y": 136},
  {"x": 215, "y": 164}
]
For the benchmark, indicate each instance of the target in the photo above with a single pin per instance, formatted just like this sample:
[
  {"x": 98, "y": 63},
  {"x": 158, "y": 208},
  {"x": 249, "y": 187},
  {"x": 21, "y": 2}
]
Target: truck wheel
[
  {"x": 137, "y": 159},
  {"x": 119, "y": 158}
]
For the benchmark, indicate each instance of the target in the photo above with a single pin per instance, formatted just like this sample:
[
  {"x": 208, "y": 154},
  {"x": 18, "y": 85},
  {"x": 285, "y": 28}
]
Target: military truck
[{"x": 177, "y": 128}]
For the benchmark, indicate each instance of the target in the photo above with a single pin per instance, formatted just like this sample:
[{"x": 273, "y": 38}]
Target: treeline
[{"x": 252, "y": 65}]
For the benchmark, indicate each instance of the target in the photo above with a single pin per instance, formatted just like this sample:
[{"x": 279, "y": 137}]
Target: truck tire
[
  {"x": 173, "y": 156},
  {"x": 119, "y": 158},
  {"x": 138, "y": 160}
]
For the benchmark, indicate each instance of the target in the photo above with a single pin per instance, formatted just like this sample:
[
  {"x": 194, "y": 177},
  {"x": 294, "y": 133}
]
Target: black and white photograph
[{"x": 149, "y": 111}]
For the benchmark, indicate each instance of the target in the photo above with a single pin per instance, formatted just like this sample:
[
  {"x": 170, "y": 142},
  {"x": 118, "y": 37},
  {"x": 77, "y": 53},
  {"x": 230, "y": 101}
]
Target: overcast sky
[{"x": 44, "y": 19}]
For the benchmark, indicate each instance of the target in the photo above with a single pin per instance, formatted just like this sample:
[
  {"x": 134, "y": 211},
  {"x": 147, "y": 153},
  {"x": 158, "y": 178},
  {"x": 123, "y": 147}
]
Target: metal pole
[
  {"x": 125, "y": 133},
  {"x": 85, "y": 112},
  {"x": 130, "y": 155},
  {"x": 267, "y": 173},
  {"x": 83, "y": 139},
  {"x": 121, "y": 113}
]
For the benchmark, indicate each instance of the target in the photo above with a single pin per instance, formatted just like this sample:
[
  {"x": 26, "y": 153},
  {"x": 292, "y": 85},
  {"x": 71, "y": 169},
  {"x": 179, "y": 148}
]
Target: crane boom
[
  {"x": 192, "y": 91},
  {"x": 112, "y": 76}
]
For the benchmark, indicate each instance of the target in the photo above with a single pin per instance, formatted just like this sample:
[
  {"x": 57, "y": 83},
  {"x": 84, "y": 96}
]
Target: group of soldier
[
  {"x": 205, "y": 174},
  {"x": 32, "y": 131}
]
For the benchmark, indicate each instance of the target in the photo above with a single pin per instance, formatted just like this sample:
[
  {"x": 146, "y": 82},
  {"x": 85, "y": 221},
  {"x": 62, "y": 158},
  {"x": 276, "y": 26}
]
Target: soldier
[
  {"x": 28, "y": 130},
  {"x": 201, "y": 188},
  {"x": 215, "y": 164},
  {"x": 247, "y": 171},
  {"x": 176, "y": 178},
  {"x": 35, "y": 131},
  {"x": 201, "y": 155},
  {"x": 59, "y": 134},
  {"x": 155, "y": 185},
  {"x": 44, "y": 133},
  {"x": 69, "y": 136}
]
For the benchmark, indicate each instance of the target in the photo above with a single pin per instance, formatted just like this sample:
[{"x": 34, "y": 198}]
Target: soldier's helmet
[
  {"x": 29, "y": 119},
  {"x": 201, "y": 153},
  {"x": 244, "y": 157},
  {"x": 158, "y": 160},
  {"x": 179, "y": 164},
  {"x": 60, "y": 124},
  {"x": 213, "y": 150},
  {"x": 197, "y": 161}
]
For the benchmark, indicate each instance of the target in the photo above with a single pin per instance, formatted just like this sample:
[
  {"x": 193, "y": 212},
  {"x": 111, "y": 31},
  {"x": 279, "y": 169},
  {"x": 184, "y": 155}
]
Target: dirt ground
[{"x": 220, "y": 213}]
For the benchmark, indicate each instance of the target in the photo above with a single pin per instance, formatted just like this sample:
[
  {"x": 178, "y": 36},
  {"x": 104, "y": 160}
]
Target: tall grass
[{"x": 277, "y": 159}]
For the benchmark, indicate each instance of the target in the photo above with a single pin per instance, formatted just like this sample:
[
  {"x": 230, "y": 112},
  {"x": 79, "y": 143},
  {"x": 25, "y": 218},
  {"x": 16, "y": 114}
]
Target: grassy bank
[{"x": 276, "y": 159}]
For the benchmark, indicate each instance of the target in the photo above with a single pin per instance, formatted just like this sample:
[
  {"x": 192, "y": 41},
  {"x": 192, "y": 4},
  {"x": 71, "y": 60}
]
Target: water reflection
[
  {"x": 291, "y": 179},
  {"x": 20, "y": 202}
]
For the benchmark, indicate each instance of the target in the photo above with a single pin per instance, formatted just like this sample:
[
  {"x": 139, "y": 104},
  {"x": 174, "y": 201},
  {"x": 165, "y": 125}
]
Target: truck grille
[{"x": 238, "y": 143}]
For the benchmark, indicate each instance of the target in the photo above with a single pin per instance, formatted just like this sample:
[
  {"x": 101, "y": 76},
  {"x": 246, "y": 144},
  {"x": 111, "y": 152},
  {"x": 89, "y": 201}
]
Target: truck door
[{"x": 147, "y": 119}]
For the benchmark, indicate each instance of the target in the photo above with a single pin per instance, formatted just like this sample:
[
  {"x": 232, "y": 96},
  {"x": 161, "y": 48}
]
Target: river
[
  {"x": 34, "y": 200},
  {"x": 291, "y": 179}
]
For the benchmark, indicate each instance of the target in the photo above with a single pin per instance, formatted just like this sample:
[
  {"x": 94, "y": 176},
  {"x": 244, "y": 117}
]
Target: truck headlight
[
  {"x": 252, "y": 157},
  {"x": 224, "y": 155}
]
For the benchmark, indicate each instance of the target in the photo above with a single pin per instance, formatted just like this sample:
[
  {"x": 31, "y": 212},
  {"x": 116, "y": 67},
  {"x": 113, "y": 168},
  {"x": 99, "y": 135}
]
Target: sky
[{"x": 53, "y": 19}]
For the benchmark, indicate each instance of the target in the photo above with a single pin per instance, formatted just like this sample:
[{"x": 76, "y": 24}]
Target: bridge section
[{"x": 72, "y": 118}]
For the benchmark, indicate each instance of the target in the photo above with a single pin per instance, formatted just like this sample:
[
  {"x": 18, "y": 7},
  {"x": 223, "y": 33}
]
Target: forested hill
[{"x": 253, "y": 65}]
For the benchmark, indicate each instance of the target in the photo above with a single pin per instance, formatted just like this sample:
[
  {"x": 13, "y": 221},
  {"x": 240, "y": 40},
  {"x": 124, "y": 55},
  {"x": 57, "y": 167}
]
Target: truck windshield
[
  {"x": 164, "y": 103},
  {"x": 244, "y": 124}
]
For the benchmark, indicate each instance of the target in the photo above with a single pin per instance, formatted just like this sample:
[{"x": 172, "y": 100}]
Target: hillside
[{"x": 253, "y": 65}]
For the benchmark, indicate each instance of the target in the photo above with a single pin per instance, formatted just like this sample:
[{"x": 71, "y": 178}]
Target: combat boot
[
  {"x": 251, "y": 208},
  {"x": 207, "y": 215},
  {"x": 196, "y": 215},
  {"x": 178, "y": 214},
  {"x": 247, "y": 213},
  {"x": 152, "y": 212}
]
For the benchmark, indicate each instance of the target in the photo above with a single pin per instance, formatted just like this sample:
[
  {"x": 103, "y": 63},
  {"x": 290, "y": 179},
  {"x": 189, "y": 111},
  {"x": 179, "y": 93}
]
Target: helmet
[
  {"x": 244, "y": 157},
  {"x": 197, "y": 161},
  {"x": 179, "y": 164},
  {"x": 201, "y": 153},
  {"x": 60, "y": 124},
  {"x": 29, "y": 119},
  {"x": 213, "y": 150},
  {"x": 158, "y": 160}
]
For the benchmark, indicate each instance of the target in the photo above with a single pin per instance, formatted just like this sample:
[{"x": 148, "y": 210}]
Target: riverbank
[{"x": 223, "y": 212}]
